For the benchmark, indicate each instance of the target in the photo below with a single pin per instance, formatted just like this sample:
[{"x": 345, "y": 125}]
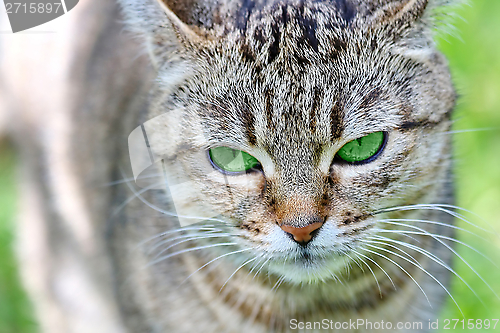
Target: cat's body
[{"x": 289, "y": 82}]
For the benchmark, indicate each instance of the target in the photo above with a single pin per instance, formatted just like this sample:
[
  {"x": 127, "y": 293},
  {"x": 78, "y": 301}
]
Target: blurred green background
[
  {"x": 474, "y": 58},
  {"x": 15, "y": 312},
  {"x": 475, "y": 62}
]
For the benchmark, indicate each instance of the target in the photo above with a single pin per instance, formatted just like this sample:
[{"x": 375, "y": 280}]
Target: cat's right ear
[
  {"x": 401, "y": 16},
  {"x": 166, "y": 36}
]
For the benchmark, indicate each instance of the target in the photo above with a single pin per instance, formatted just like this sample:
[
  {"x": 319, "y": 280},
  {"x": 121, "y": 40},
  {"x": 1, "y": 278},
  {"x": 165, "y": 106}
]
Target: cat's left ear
[
  {"x": 160, "y": 23},
  {"x": 184, "y": 33}
]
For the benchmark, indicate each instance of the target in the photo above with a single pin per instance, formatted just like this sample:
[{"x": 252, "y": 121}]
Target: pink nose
[{"x": 302, "y": 235}]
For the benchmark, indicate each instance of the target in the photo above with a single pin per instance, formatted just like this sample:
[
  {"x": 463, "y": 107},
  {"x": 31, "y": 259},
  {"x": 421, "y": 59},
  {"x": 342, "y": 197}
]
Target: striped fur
[{"x": 290, "y": 82}]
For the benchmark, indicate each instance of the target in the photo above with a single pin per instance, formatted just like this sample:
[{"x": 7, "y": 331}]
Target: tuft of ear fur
[
  {"x": 166, "y": 36},
  {"x": 410, "y": 24},
  {"x": 399, "y": 13},
  {"x": 402, "y": 15}
]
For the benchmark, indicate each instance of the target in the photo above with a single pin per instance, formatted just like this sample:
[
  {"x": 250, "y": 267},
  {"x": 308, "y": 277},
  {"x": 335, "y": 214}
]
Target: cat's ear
[
  {"x": 398, "y": 13},
  {"x": 403, "y": 15},
  {"x": 166, "y": 35}
]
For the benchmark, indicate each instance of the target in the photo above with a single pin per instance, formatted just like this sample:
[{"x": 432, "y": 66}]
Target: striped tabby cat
[{"x": 313, "y": 131}]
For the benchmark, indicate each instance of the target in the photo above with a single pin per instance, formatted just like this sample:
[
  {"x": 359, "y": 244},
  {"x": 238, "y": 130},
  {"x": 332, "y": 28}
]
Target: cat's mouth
[
  {"x": 308, "y": 265},
  {"x": 324, "y": 257},
  {"x": 306, "y": 256},
  {"x": 308, "y": 268}
]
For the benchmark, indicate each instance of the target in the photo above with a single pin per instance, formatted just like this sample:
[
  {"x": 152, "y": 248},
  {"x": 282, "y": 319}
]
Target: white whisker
[
  {"x": 215, "y": 259},
  {"x": 437, "y": 238},
  {"x": 371, "y": 270},
  {"x": 404, "y": 270},
  {"x": 392, "y": 246},
  {"x": 432, "y": 257},
  {"x": 188, "y": 240},
  {"x": 261, "y": 267},
  {"x": 158, "y": 209},
  {"x": 237, "y": 269},
  {"x": 471, "y": 130},
  {"x": 126, "y": 180},
  {"x": 178, "y": 230},
  {"x": 278, "y": 283},
  {"x": 160, "y": 243},
  {"x": 189, "y": 250},
  {"x": 136, "y": 194},
  {"x": 436, "y": 223},
  {"x": 355, "y": 261},
  {"x": 434, "y": 207}
]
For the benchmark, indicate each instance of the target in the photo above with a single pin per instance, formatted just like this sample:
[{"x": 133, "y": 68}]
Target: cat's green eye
[
  {"x": 232, "y": 160},
  {"x": 364, "y": 149}
]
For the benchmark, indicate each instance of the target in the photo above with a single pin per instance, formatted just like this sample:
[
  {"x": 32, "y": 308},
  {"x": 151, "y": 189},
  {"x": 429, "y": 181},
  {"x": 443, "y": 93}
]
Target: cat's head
[{"x": 297, "y": 122}]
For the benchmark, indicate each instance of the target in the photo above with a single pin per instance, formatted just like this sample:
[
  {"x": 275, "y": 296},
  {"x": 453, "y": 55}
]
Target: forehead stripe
[{"x": 336, "y": 121}]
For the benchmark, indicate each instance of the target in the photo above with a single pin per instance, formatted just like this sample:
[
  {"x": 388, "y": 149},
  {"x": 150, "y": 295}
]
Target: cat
[{"x": 311, "y": 130}]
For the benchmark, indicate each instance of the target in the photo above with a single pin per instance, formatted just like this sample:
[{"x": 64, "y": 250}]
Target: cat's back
[{"x": 68, "y": 91}]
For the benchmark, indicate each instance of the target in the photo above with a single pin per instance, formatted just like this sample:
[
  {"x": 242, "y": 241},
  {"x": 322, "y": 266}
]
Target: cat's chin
[{"x": 309, "y": 269}]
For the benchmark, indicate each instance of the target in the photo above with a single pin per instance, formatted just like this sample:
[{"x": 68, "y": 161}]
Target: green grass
[
  {"x": 475, "y": 63},
  {"x": 15, "y": 314}
]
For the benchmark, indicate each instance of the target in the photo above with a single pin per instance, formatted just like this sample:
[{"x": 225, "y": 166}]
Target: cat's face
[
  {"x": 293, "y": 105},
  {"x": 294, "y": 123}
]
